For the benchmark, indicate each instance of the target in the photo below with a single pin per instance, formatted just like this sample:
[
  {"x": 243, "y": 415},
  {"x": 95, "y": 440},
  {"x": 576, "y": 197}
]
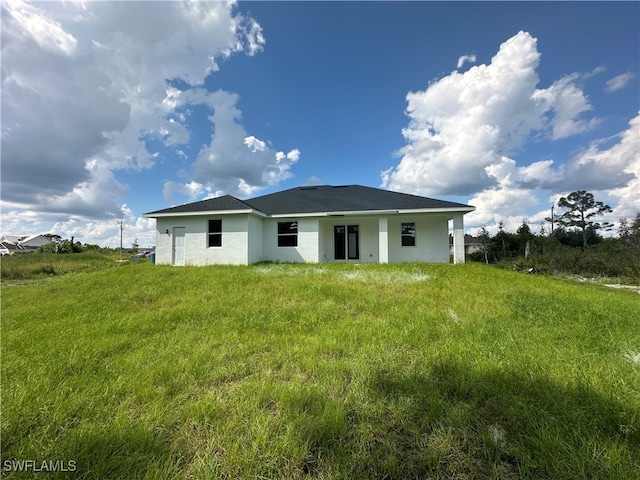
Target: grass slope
[
  {"x": 18, "y": 268},
  {"x": 321, "y": 371}
]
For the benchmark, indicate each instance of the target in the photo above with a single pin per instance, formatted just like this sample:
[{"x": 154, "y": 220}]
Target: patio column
[
  {"x": 383, "y": 240},
  {"x": 458, "y": 239}
]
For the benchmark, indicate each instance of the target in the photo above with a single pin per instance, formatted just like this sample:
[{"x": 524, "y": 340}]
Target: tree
[
  {"x": 484, "y": 238},
  {"x": 543, "y": 230},
  {"x": 630, "y": 232},
  {"x": 53, "y": 237},
  {"x": 524, "y": 233},
  {"x": 581, "y": 207},
  {"x": 573, "y": 238},
  {"x": 63, "y": 246},
  {"x": 505, "y": 245},
  {"x": 499, "y": 242}
]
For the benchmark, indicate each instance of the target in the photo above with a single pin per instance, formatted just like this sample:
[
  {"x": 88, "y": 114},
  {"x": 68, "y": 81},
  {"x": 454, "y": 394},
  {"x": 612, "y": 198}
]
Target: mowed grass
[{"x": 321, "y": 371}]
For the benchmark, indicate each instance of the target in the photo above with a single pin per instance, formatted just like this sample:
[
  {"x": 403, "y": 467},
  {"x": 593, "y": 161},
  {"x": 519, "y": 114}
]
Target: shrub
[
  {"x": 610, "y": 257},
  {"x": 63, "y": 246}
]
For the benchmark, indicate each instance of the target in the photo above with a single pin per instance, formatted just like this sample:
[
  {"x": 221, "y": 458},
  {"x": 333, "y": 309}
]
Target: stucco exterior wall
[
  {"x": 234, "y": 249},
  {"x": 432, "y": 239},
  {"x": 307, "y": 249},
  {"x": 255, "y": 239},
  {"x": 248, "y": 238},
  {"x": 163, "y": 240},
  {"x": 368, "y": 233}
]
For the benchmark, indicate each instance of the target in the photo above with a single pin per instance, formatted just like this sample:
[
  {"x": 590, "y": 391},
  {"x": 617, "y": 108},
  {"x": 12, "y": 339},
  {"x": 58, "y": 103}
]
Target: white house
[
  {"x": 348, "y": 223},
  {"x": 21, "y": 244},
  {"x": 471, "y": 244},
  {"x": 34, "y": 241}
]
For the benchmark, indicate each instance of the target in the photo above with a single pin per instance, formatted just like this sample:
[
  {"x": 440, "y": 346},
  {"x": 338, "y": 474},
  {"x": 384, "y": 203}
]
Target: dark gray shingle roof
[
  {"x": 346, "y": 198},
  {"x": 218, "y": 204},
  {"x": 316, "y": 199}
]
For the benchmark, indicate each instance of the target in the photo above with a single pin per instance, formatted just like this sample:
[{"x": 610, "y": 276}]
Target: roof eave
[
  {"x": 461, "y": 209},
  {"x": 204, "y": 213},
  {"x": 348, "y": 213}
]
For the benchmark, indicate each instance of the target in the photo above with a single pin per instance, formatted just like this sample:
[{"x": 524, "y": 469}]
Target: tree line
[{"x": 573, "y": 244}]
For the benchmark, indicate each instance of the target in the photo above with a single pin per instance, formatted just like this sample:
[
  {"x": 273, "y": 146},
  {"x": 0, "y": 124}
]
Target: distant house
[
  {"x": 10, "y": 244},
  {"x": 9, "y": 248},
  {"x": 349, "y": 223},
  {"x": 34, "y": 241},
  {"x": 471, "y": 244},
  {"x": 13, "y": 239}
]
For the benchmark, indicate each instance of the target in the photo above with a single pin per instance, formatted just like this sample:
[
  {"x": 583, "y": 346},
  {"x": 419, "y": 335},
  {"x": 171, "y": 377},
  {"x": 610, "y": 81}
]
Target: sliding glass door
[{"x": 346, "y": 242}]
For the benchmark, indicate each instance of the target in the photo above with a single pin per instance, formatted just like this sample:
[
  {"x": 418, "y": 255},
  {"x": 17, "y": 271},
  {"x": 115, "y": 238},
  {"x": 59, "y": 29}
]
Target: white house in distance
[
  {"x": 21, "y": 244},
  {"x": 315, "y": 224},
  {"x": 471, "y": 244}
]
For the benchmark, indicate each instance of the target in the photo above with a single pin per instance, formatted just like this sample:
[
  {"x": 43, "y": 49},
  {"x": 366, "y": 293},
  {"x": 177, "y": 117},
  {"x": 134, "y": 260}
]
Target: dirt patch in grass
[{"x": 635, "y": 288}]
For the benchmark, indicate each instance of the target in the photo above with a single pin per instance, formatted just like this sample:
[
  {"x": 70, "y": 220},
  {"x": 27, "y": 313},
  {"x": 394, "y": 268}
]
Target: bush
[
  {"x": 476, "y": 257},
  {"x": 63, "y": 246},
  {"x": 610, "y": 257}
]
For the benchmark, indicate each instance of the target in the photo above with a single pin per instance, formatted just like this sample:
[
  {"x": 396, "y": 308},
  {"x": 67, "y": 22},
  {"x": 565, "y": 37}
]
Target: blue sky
[{"x": 111, "y": 110}]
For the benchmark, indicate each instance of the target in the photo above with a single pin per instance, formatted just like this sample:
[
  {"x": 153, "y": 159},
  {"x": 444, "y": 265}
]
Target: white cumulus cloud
[
  {"x": 107, "y": 232},
  {"x": 84, "y": 84},
  {"x": 612, "y": 173},
  {"x": 192, "y": 190},
  {"x": 467, "y": 121},
  {"x": 614, "y": 170},
  {"x": 464, "y": 59},
  {"x": 233, "y": 161},
  {"x": 466, "y": 129},
  {"x": 254, "y": 144},
  {"x": 565, "y": 103}
]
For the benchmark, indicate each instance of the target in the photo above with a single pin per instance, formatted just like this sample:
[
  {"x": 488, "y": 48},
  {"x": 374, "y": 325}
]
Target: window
[
  {"x": 287, "y": 234},
  {"x": 214, "y": 233},
  {"x": 408, "y": 234}
]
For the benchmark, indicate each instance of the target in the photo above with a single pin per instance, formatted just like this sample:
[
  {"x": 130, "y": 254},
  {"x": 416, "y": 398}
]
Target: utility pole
[
  {"x": 120, "y": 223},
  {"x": 552, "y": 219}
]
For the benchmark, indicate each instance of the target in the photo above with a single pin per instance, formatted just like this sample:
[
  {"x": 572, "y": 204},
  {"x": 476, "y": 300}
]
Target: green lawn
[{"x": 320, "y": 371}]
